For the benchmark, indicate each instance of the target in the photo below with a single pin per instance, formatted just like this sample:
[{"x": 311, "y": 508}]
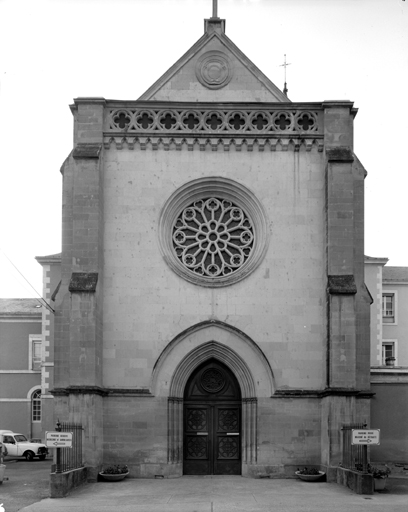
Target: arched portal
[
  {"x": 212, "y": 421},
  {"x": 196, "y": 346}
]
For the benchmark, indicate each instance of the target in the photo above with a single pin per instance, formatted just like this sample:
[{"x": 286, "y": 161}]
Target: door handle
[
  {"x": 202, "y": 433},
  {"x": 232, "y": 433}
]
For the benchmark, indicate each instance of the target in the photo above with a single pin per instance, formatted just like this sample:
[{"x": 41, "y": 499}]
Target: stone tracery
[
  {"x": 213, "y": 232},
  {"x": 198, "y": 120},
  {"x": 213, "y": 237}
]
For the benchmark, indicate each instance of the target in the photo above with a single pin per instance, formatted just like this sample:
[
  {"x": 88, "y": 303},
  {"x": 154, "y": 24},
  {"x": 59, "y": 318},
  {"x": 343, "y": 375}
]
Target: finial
[
  {"x": 214, "y": 24},
  {"x": 285, "y": 65}
]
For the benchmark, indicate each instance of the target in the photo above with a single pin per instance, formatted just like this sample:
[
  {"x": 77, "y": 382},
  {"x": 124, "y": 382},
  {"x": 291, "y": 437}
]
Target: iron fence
[
  {"x": 354, "y": 456},
  {"x": 69, "y": 458}
]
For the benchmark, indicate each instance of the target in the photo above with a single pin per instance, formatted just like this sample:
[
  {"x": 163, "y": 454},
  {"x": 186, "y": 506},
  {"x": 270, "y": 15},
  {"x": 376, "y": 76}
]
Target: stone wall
[{"x": 303, "y": 310}]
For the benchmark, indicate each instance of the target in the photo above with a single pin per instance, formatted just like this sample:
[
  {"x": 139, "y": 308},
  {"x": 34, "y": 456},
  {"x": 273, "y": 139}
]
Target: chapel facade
[{"x": 212, "y": 316}]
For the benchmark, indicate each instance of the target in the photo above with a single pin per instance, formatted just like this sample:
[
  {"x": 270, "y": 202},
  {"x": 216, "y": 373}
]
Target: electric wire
[{"x": 43, "y": 302}]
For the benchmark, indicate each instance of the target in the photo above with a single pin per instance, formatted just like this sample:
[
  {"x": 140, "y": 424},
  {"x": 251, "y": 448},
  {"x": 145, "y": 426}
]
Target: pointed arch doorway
[{"x": 212, "y": 421}]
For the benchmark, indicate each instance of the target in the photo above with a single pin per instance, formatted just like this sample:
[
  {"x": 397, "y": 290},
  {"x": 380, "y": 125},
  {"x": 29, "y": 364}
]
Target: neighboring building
[
  {"x": 389, "y": 357},
  {"x": 212, "y": 316},
  {"x": 20, "y": 366},
  {"x": 395, "y": 315},
  {"x": 27, "y": 358},
  {"x": 51, "y": 282}
]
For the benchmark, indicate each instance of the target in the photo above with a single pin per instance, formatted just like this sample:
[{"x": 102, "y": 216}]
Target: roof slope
[
  {"x": 31, "y": 307},
  {"x": 214, "y": 70},
  {"x": 395, "y": 274}
]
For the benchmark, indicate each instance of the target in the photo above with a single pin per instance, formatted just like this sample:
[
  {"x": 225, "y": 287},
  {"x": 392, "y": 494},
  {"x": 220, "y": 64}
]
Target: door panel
[
  {"x": 197, "y": 449},
  {"x": 227, "y": 460}
]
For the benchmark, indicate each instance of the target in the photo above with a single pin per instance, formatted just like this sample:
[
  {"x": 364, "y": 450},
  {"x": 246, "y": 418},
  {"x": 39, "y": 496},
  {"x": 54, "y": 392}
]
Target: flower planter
[
  {"x": 379, "y": 484},
  {"x": 112, "y": 477},
  {"x": 310, "y": 478}
]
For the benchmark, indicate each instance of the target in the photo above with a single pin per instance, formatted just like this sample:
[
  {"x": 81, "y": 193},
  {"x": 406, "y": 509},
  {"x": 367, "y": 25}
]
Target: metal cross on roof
[{"x": 285, "y": 65}]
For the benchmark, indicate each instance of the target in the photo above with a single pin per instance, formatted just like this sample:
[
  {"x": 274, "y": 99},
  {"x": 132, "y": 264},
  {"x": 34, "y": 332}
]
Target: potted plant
[
  {"x": 390, "y": 361},
  {"x": 309, "y": 475},
  {"x": 115, "y": 472},
  {"x": 379, "y": 476}
]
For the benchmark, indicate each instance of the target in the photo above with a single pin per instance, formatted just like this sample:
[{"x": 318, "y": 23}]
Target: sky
[{"x": 52, "y": 51}]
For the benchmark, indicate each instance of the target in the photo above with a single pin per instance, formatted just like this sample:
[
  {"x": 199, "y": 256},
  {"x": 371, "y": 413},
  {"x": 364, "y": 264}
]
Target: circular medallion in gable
[{"x": 214, "y": 70}]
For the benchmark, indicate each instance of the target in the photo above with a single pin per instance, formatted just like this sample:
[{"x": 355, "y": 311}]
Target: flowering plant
[
  {"x": 379, "y": 472},
  {"x": 116, "y": 470},
  {"x": 305, "y": 471}
]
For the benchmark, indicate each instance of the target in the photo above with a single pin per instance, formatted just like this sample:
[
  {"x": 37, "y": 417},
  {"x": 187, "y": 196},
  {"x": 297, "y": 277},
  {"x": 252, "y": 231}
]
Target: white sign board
[
  {"x": 58, "y": 439},
  {"x": 365, "y": 436}
]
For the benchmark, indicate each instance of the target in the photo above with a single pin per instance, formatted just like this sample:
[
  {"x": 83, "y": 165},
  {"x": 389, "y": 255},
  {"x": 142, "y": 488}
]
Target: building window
[
  {"x": 36, "y": 405},
  {"x": 34, "y": 353},
  {"x": 388, "y": 308},
  {"x": 389, "y": 353}
]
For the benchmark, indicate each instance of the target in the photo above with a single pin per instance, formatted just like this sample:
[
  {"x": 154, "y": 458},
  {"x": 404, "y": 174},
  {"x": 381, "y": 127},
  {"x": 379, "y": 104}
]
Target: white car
[{"x": 17, "y": 445}]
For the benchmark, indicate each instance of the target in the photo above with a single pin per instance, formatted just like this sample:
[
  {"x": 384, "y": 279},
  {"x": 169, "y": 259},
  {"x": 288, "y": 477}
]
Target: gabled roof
[
  {"x": 395, "y": 274},
  {"x": 375, "y": 261},
  {"x": 214, "y": 70},
  {"x": 51, "y": 258},
  {"x": 20, "y": 307}
]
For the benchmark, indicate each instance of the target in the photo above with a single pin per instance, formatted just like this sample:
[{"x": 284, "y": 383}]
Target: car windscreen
[{"x": 20, "y": 438}]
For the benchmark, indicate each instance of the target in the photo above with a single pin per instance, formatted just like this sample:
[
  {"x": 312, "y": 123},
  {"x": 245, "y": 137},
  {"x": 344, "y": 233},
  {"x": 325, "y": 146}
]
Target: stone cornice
[
  {"x": 78, "y": 390},
  {"x": 247, "y": 143},
  {"x": 389, "y": 375},
  {"x": 101, "y": 391},
  {"x": 321, "y": 393},
  {"x": 22, "y": 317}
]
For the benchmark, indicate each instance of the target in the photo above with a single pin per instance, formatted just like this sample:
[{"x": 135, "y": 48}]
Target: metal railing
[
  {"x": 354, "y": 456},
  {"x": 69, "y": 458}
]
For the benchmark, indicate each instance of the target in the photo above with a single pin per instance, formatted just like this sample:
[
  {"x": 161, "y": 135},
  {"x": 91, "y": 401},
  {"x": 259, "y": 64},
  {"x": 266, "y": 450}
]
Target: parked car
[{"x": 18, "y": 445}]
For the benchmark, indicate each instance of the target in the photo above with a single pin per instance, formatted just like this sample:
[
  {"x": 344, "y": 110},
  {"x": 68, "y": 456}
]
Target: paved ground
[
  {"x": 27, "y": 489},
  {"x": 27, "y": 483},
  {"x": 223, "y": 494}
]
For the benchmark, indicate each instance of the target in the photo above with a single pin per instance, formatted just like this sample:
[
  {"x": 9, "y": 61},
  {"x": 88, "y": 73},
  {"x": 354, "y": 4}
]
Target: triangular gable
[{"x": 214, "y": 70}]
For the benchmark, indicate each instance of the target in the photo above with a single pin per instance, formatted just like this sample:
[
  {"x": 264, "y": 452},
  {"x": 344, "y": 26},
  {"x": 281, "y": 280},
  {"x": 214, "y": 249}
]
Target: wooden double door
[{"x": 212, "y": 422}]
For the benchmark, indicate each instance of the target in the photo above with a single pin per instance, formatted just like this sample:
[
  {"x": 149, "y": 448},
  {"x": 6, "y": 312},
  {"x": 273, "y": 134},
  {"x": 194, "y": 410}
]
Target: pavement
[
  {"x": 223, "y": 494},
  {"x": 27, "y": 482}
]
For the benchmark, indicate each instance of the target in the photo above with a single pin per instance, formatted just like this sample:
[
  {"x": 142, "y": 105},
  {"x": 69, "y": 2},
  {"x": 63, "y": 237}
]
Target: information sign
[
  {"x": 58, "y": 439},
  {"x": 365, "y": 436}
]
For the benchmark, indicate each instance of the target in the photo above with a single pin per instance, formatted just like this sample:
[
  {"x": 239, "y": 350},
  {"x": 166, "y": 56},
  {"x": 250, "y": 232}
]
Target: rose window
[
  {"x": 213, "y": 237},
  {"x": 212, "y": 380},
  {"x": 213, "y": 231}
]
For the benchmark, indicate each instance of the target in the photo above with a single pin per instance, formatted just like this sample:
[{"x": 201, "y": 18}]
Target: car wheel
[
  {"x": 29, "y": 456},
  {"x": 42, "y": 457}
]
